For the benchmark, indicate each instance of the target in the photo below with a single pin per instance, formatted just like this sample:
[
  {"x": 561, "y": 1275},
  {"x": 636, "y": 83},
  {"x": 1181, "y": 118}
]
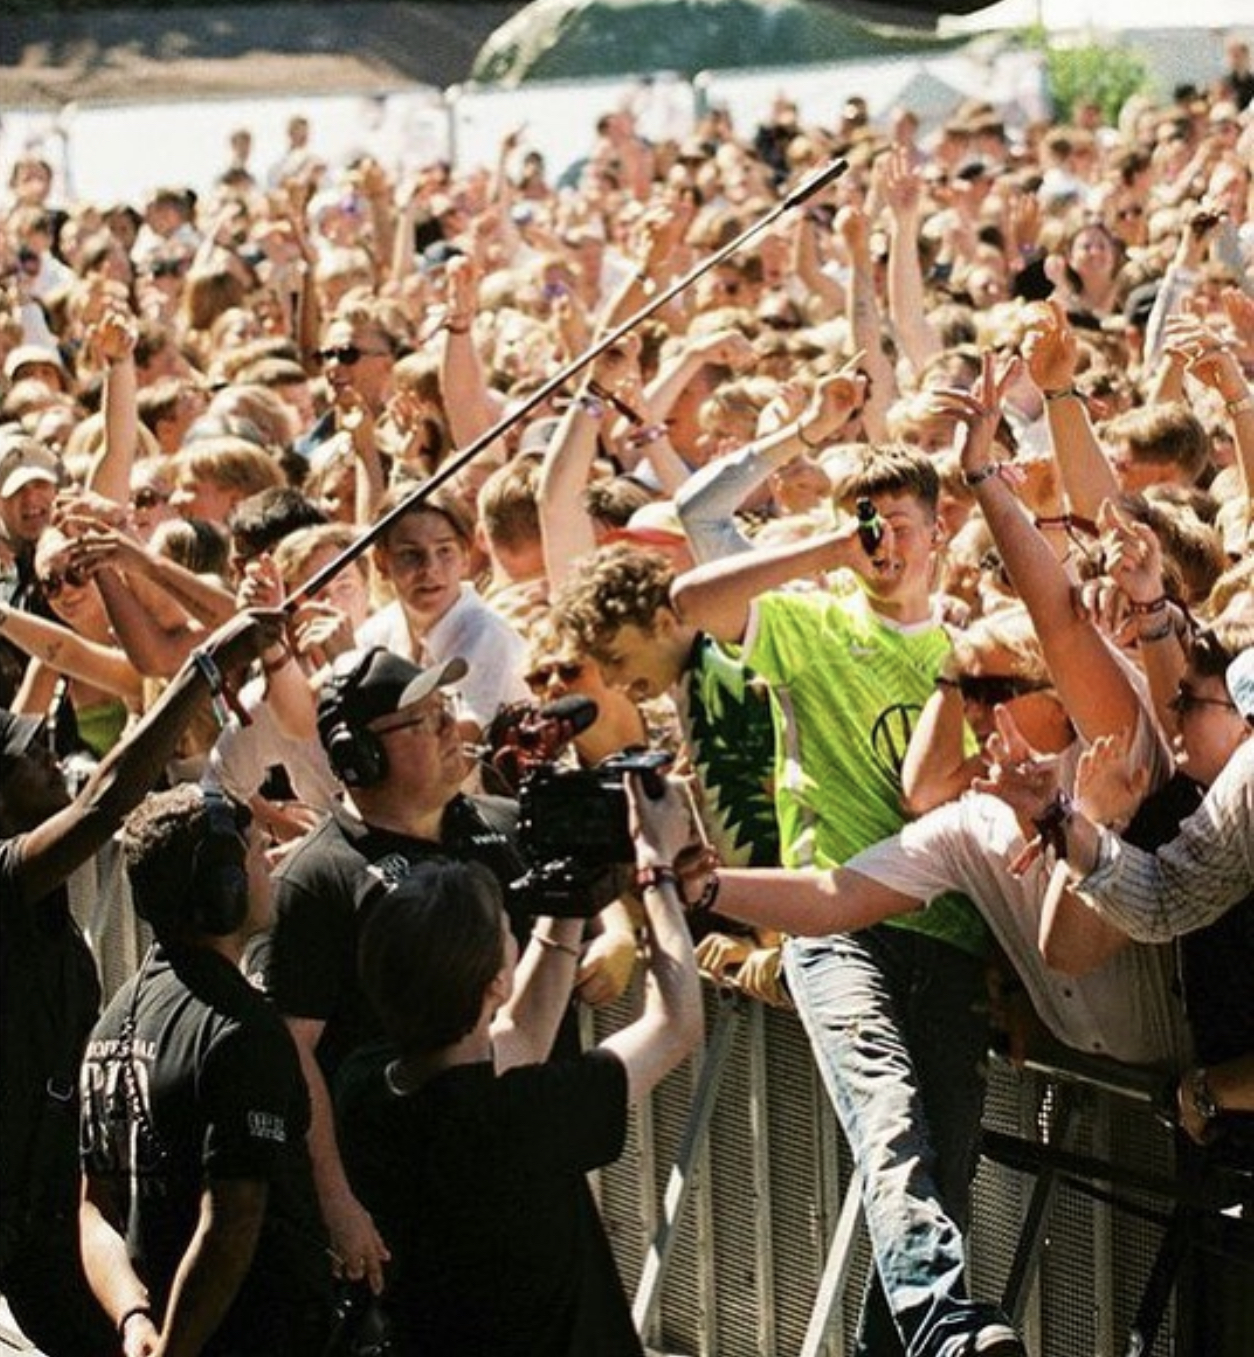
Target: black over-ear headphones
[
  {"x": 356, "y": 754},
  {"x": 219, "y": 871}
]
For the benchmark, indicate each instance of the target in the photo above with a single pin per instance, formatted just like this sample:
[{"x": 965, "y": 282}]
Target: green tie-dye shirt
[{"x": 848, "y": 688}]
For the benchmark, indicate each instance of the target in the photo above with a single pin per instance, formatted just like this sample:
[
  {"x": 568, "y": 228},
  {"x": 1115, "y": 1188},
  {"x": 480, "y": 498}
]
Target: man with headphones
[
  {"x": 199, "y": 1227},
  {"x": 49, "y": 991},
  {"x": 390, "y": 732}
]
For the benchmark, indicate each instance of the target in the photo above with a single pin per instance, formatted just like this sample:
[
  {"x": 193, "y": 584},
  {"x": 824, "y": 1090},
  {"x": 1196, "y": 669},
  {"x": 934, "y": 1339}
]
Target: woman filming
[{"x": 468, "y": 1146}]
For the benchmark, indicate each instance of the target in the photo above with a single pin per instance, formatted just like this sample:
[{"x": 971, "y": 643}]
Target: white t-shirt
[
  {"x": 493, "y": 650},
  {"x": 1125, "y": 1009}
]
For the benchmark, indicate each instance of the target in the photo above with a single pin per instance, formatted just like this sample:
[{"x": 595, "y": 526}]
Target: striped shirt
[{"x": 1190, "y": 881}]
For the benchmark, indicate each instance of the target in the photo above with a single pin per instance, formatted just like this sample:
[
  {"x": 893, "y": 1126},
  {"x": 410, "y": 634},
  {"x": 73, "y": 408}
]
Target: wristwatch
[{"x": 1205, "y": 1104}]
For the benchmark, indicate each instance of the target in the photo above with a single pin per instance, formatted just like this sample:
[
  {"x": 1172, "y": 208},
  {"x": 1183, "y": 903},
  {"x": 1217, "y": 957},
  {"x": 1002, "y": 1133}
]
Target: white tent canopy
[{"x": 1108, "y": 15}]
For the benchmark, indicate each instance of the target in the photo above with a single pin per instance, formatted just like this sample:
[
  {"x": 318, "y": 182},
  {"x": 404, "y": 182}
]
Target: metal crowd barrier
[{"x": 737, "y": 1227}]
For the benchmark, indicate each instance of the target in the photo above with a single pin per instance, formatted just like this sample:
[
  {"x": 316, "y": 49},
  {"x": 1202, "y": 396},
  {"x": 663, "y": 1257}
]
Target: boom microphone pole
[{"x": 801, "y": 194}]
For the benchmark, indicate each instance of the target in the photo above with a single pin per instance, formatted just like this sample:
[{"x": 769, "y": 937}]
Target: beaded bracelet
[{"x": 1242, "y": 406}]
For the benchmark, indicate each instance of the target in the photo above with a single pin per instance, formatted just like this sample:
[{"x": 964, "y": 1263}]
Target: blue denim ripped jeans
[{"x": 899, "y": 1026}]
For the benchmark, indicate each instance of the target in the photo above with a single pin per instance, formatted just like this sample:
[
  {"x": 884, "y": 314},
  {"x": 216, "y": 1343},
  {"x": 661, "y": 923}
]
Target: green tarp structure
[{"x": 574, "y": 39}]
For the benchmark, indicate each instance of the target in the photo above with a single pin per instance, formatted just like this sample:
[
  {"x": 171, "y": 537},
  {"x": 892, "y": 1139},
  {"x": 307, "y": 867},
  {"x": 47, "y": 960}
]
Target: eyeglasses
[
  {"x": 542, "y": 675},
  {"x": 148, "y": 498},
  {"x": 992, "y": 690},
  {"x": 53, "y": 582},
  {"x": 429, "y": 722},
  {"x": 1186, "y": 700},
  {"x": 349, "y": 355}
]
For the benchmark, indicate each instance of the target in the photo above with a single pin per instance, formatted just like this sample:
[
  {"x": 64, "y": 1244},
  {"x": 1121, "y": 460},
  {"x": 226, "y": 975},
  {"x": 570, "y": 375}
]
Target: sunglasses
[
  {"x": 148, "y": 498},
  {"x": 993, "y": 690},
  {"x": 349, "y": 355},
  {"x": 167, "y": 268},
  {"x": 543, "y": 674},
  {"x": 1186, "y": 700},
  {"x": 56, "y": 580}
]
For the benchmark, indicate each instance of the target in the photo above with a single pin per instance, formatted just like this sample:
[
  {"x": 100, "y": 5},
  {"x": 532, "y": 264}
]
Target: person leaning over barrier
[
  {"x": 468, "y": 1143},
  {"x": 49, "y": 992}
]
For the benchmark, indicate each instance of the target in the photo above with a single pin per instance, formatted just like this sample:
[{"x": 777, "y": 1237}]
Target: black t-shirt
[
  {"x": 1216, "y": 963},
  {"x": 191, "y": 1076},
  {"x": 477, "y": 1183},
  {"x": 308, "y": 962},
  {"x": 49, "y": 998}
]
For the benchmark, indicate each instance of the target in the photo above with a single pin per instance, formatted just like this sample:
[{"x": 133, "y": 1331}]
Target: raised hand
[
  {"x": 1133, "y": 554},
  {"x": 1049, "y": 347},
  {"x": 1108, "y": 787},
  {"x": 1026, "y": 780}
]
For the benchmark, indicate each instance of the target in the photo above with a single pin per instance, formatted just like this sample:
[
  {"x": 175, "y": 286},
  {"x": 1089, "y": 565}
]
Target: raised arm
[
  {"x": 672, "y": 1023},
  {"x": 524, "y": 1030},
  {"x": 113, "y": 341},
  {"x": 201, "y": 596},
  {"x": 1092, "y": 684},
  {"x": 50, "y": 852},
  {"x": 708, "y": 502},
  {"x": 67, "y": 652},
  {"x": 902, "y": 187},
  {"x": 1050, "y": 351},
  {"x": 718, "y": 597},
  {"x": 471, "y": 407},
  {"x": 864, "y": 321}
]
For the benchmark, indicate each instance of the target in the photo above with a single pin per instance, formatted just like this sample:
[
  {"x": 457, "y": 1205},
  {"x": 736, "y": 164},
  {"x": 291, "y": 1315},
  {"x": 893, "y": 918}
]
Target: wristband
[
  {"x": 1205, "y": 1104},
  {"x": 655, "y": 877},
  {"x": 223, "y": 699},
  {"x": 1053, "y": 521},
  {"x": 1155, "y": 605},
  {"x": 273, "y": 666},
  {"x": 642, "y": 438},
  {"x": 590, "y": 405},
  {"x": 704, "y": 903},
  {"x": 1051, "y": 824},
  {"x": 1242, "y": 406},
  {"x": 805, "y": 442},
  {"x": 973, "y": 478},
  {"x": 145, "y": 1310},
  {"x": 1061, "y": 394},
  {"x": 552, "y": 944}
]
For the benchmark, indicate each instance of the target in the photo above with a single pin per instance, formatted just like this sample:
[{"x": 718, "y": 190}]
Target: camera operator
[
  {"x": 49, "y": 993},
  {"x": 392, "y": 739},
  {"x": 469, "y": 1144},
  {"x": 199, "y": 1226}
]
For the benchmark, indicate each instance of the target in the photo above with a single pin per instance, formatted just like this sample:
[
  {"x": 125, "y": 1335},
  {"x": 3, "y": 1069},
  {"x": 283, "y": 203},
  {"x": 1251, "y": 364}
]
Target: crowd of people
[{"x": 915, "y": 532}]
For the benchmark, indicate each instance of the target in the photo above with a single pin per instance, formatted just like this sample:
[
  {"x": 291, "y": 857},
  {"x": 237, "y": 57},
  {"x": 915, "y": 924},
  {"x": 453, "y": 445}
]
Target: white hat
[{"x": 23, "y": 460}]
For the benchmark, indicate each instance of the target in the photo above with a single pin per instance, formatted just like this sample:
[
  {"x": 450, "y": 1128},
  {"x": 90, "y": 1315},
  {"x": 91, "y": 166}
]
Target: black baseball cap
[{"x": 367, "y": 684}]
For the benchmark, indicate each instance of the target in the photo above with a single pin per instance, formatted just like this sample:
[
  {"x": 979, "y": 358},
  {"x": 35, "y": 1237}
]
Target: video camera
[{"x": 574, "y": 825}]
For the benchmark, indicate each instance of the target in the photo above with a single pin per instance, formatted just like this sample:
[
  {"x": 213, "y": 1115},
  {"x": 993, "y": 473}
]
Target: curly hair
[{"x": 616, "y": 587}]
